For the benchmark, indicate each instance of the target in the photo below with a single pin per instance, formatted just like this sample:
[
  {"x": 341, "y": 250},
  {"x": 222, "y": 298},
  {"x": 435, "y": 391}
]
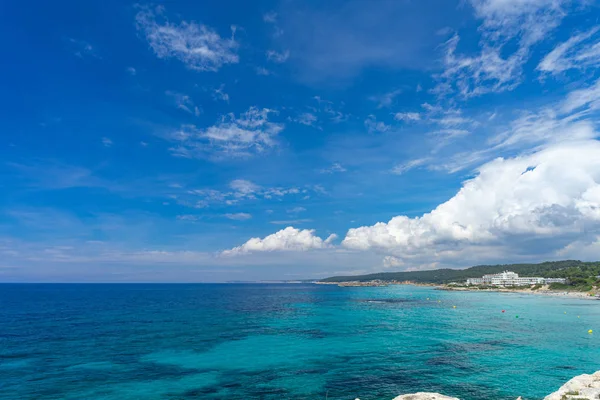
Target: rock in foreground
[
  {"x": 582, "y": 387},
  {"x": 424, "y": 396}
]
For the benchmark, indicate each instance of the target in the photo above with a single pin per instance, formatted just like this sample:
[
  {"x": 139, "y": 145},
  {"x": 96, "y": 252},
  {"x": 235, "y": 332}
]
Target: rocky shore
[{"x": 582, "y": 387}]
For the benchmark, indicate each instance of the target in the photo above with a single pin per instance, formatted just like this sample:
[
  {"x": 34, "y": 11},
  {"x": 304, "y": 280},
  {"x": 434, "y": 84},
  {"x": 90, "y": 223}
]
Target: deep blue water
[{"x": 288, "y": 342}]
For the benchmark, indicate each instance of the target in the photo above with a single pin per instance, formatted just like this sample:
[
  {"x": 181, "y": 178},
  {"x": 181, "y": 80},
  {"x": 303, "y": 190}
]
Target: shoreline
[{"x": 540, "y": 292}]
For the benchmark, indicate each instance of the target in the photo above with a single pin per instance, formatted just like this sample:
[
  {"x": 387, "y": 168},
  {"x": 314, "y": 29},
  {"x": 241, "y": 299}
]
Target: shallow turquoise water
[{"x": 288, "y": 342}]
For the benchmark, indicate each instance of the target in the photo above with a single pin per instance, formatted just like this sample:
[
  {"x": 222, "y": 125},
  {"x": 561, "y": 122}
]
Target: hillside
[{"x": 555, "y": 269}]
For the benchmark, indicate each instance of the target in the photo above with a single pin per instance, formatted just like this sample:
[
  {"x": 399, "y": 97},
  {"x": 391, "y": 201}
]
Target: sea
[{"x": 288, "y": 341}]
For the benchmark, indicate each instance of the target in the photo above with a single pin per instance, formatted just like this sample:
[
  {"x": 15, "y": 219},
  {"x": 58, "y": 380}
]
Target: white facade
[{"x": 509, "y": 278}]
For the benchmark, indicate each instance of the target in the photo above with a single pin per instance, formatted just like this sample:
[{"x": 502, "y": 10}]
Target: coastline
[{"x": 539, "y": 292}]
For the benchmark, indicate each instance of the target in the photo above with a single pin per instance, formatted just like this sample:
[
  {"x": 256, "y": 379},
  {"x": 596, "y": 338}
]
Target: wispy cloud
[
  {"x": 495, "y": 69},
  {"x": 82, "y": 49},
  {"x": 386, "y": 99},
  {"x": 262, "y": 71},
  {"x": 239, "y": 216},
  {"x": 184, "y": 102},
  {"x": 374, "y": 126},
  {"x": 400, "y": 169},
  {"x": 278, "y": 57},
  {"x": 131, "y": 71},
  {"x": 581, "y": 51},
  {"x": 107, "y": 142},
  {"x": 198, "y": 46},
  {"x": 219, "y": 94},
  {"x": 308, "y": 119},
  {"x": 296, "y": 210},
  {"x": 237, "y": 191},
  {"x": 291, "y": 221},
  {"x": 270, "y": 17},
  {"x": 407, "y": 116},
  {"x": 335, "y": 167},
  {"x": 245, "y": 135}
]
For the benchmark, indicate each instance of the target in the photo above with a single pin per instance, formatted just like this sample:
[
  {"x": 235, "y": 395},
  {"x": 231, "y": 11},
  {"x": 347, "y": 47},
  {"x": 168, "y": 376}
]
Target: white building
[{"x": 509, "y": 278}]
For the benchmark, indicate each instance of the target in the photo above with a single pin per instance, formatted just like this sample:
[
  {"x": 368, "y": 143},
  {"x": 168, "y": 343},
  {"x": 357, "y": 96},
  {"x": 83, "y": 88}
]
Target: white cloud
[
  {"x": 400, "y": 169},
  {"x": 278, "y": 57},
  {"x": 495, "y": 69},
  {"x": 131, "y": 71},
  {"x": 376, "y": 127},
  {"x": 531, "y": 20},
  {"x": 392, "y": 262},
  {"x": 198, "y": 46},
  {"x": 107, "y": 142},
  {"x": 243, "y": 188},
  {"x": 572, "y": 54},
  {"x": 386, "y": 99},
  {"x": 296, "y": 210},
  {"x": 533, "y": 203},
  {"x": 291, "y": 221},
  {"x": 239, "y": 190},
  {"x": 262, "y": 71},
  {"x": 188, "y": 217},
  {"x": 239, "y": 216},
  {"x": 184, "y": 102},
  {"x": 249, "y": 134},
  {"x": 219, "y": 94},
  {"x": 407, "y": 116},
  {"x": 83, "y": 49},
  {"x": 288, "y": 239},
  {"x": 583, "y": 98},
  {"x": 307, "y": 119},
  {"x": 335, "y": 167},
  {"x": 486, "y": 72}
]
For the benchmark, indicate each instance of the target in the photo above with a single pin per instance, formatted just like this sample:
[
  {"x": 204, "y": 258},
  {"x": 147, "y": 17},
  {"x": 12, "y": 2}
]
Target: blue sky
[{"x": 196, "y": 141}]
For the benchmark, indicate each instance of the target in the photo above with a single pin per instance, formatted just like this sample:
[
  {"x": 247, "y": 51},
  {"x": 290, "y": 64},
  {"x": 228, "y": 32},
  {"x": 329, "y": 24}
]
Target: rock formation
[
  {"x": 582, "y": 387},
  {"x": 424, "y": 396}
]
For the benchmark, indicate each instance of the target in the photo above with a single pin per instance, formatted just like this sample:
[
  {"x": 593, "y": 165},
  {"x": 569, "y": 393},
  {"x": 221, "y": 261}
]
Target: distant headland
[{"x": 550, "y": 276}]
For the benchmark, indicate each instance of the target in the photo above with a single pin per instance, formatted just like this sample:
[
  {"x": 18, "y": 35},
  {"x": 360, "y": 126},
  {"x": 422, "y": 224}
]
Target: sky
[{"x": 285, "y": 139}]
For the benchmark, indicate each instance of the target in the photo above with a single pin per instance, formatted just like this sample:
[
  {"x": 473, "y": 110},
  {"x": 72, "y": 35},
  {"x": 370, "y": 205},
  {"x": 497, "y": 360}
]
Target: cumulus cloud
[
  {"x": 198, "y": 46},
  {"x": 245, "y": 135},
  {"x": 579, "y": 52},
  {"x": 551, "y": 196},
  {"x": 288, "y": 239}
]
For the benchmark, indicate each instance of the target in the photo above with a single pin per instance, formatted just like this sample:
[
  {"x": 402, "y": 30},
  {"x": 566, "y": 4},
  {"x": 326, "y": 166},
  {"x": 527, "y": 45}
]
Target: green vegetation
[{"x": 581, "y": 275}]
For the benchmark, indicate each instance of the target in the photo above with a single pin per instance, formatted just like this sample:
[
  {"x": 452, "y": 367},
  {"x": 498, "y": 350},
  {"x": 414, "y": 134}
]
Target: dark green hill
[{"x": 553, "y": 269}]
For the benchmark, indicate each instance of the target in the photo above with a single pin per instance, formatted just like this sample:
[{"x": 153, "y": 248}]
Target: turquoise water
[{"x": 288, "y": 342}]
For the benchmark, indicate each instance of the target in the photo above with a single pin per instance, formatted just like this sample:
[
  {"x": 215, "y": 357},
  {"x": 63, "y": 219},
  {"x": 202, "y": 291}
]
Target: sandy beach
[{"x": 539, "y": 292}]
